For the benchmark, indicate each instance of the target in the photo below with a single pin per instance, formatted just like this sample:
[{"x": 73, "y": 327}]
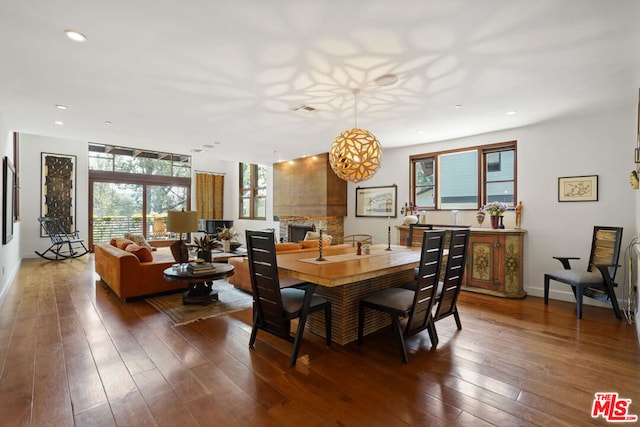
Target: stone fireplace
[
  {"x": 307, "y": 191},
  {"x": 335, "y": 227}
]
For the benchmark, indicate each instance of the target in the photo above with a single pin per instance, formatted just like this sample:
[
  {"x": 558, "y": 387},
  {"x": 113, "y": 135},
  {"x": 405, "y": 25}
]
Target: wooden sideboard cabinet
[{"x": 494, "y": 261}]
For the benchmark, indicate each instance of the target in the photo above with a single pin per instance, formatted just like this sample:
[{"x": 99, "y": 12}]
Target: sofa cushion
[
  {"x": 315, "y": 235},
  {"x": 139, "y": 240},
  {"x": 143, "y": 254},
  {"x": 120, "y": 242},
  {"x": 306, "y": 244},
  {"x": 281, "y": 247}
]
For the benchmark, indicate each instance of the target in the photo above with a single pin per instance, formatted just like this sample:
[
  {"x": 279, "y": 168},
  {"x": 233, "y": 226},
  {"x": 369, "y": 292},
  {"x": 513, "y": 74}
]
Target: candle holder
[
  {"x": 388, "y": 238},
  {"x": 320, "y": 257}
]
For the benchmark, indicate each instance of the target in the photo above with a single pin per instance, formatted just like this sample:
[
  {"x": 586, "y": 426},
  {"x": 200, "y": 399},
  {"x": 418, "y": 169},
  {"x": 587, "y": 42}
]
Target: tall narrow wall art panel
[{"x": 59, "y": 189}]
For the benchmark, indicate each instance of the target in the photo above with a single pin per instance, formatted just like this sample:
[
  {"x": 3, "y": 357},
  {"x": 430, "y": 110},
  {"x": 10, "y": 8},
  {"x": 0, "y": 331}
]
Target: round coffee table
[{"x": 199, "y": 289}]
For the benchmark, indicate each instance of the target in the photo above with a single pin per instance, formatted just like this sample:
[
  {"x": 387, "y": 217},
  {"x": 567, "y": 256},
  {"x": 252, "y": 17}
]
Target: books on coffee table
[{"x": 201, "y": 268}]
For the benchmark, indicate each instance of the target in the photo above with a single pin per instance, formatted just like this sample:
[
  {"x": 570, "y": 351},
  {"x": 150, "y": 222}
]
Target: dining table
[{"x": 344, "y": 277}]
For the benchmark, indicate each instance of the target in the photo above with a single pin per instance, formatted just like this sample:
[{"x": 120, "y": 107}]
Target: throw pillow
[
  {"x": 282, "y": 247},
  {"x": 306, "y": 244},
  {"x": 120, "y": 243},
  {"x": 315, "y": 235},
  {"x": 139, "y": 240},
  {"x": 143, "y": 254}
]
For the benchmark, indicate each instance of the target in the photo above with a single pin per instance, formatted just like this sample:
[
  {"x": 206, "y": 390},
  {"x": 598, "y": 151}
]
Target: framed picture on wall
[
  {"x": 578, "y": 188},
  {"x": 377, "y": 201},
  {"x": 8, "y": 196},
  {"x": 59, "y": 190}
]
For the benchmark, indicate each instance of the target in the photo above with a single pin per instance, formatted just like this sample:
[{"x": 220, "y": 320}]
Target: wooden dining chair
[
  {"x": 415, "y": 233},
  {"x": 605, "y": 252},
  {"x": 274, "y": 307},
  {"x": 416, "y": 306},
  {"x": 449, "y": 287}
]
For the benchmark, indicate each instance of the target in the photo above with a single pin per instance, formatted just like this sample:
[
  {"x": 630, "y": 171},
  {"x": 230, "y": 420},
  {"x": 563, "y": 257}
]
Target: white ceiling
[{"x": 175, "y": 76}]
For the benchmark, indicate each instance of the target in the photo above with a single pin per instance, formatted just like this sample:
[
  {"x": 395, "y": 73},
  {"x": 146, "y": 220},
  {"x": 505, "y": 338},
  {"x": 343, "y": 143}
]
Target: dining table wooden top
[{"x": 342, "y": 265}]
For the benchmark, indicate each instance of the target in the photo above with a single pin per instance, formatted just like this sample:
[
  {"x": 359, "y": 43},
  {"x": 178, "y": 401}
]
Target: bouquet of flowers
[
  {"x": 227, "y": 234},
  {"x": 495, "y": 208}
]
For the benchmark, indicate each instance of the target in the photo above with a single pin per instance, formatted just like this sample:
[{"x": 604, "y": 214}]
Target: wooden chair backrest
[
  {"x": 427, "y": 282},
  {"x": 605, "y": 247},
  {"x": 263, "y": 269},
  {"x": 454, "y": 272}
]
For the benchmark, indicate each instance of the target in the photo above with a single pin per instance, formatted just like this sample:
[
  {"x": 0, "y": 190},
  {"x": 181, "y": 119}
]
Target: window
[
  {"x": 131, "y": 160},
  {"x": 464, "y": 179},
  {"x": 132, "y": 190},
  {"x": 253, "y": 191}
]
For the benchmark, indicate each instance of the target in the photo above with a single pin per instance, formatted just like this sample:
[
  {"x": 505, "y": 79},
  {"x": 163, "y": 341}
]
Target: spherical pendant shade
[{"x": 355, "y": 155}]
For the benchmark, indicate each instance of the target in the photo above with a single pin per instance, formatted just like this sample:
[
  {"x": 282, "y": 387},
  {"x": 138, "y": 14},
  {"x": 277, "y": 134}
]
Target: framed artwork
[
  {"x": 8, "y": 197},
  {"x": 578, "y": 188},
  {"x": 377, "y": 201},
  {"x": 59, "y": 190}
]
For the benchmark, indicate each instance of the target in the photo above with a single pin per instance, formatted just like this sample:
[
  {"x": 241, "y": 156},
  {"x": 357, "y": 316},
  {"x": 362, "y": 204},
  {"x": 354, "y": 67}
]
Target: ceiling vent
[{"x": 303, "y": 108}]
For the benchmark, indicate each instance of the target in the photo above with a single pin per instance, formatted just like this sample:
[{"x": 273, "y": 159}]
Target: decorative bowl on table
[{"x": 233, "y": 246}]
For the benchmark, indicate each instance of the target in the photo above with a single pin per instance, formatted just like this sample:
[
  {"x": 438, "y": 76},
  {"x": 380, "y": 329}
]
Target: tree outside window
[{"x": 253, "y": 191}]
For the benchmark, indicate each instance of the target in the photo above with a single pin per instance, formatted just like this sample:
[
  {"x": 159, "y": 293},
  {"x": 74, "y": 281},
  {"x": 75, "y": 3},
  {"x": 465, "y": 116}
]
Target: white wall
[
  {"x": 597, "y": 145},
  {"x": 31, "y": 147},
  {"x": 9, "y": 253}
]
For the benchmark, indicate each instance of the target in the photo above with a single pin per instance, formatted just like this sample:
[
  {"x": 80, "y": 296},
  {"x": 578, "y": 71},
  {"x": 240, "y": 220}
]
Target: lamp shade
[
  {"x": 182, "y": 221},
  {"x": 355, "y": 155}
]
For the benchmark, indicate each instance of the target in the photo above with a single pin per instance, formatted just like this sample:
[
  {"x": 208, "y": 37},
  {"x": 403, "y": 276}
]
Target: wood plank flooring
[{"x": 71, "y": 353}]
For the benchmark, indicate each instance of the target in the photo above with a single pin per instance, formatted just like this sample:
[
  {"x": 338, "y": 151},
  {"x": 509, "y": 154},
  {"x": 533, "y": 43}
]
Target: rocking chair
[{"x": 64, "y": 245}]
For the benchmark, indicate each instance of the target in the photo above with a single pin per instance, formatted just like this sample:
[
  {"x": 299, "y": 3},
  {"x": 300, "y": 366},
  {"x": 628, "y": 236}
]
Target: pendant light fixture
[{"x": 355, "y": 154}]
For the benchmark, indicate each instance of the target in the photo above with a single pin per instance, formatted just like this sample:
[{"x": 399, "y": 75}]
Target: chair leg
[
  {"x": 433, "y": 333},
  {"x": 457, "y": 317},
  {"x": 360, "y": 323},
  {"x": 546, "y": 289},
  {"x": 297, "y": 340},
  {"x": 254, "y": 330},
  {"x": 397, "y": 331},
  {"x": 577, "y": 290},
  {"x": 327, "y": 324},
  {"x": 614, "y": 302}
]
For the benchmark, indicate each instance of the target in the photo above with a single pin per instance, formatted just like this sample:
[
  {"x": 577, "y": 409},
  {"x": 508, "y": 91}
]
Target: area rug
[{"x": 230, "y": 300}]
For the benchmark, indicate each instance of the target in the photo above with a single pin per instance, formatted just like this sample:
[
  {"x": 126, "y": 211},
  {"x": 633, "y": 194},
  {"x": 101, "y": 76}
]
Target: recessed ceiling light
[
  {"x": 58, "y": 122},
  {"x": 457, "y": 106},
  {"x": 386, "y": 80},
  {"x": 107, "y": 122},
  {"x": 61, "y": 107},
  {"x": 197, "y": 150},
  {"x": 511, "y": 113},
  {"x": 419, "y": 131},
  {"x": 75, "y": 36},
  {"x": 208, "y": 146}
]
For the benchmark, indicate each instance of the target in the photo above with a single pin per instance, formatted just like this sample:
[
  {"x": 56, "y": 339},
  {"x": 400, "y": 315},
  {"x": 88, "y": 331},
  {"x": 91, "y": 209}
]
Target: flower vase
[
  {"x": 495, "y": 222},
  {"x": 226, "y": 245}
]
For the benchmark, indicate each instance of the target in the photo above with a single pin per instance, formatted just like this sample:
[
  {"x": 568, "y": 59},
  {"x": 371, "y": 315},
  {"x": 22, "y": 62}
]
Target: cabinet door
[{"x": 485, "y": 262}]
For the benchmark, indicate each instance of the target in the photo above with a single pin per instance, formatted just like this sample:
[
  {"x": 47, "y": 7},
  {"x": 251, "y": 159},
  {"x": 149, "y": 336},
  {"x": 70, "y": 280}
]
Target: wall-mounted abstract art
[{"x": 59, "y": 189}]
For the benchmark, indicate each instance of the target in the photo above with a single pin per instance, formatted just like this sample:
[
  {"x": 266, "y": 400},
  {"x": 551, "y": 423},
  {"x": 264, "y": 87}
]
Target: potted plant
[
  {"x": 205, "y": 245},
  {"x": 496, "y": 210}
]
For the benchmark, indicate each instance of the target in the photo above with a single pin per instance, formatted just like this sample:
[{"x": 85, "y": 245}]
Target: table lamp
[{"x": 181, "y": 222}]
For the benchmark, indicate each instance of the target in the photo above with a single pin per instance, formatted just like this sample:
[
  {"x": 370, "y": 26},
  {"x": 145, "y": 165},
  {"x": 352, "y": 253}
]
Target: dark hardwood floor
[{"x": 72, "y": 353}]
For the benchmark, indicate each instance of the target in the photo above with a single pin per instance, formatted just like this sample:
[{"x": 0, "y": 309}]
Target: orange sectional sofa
[{"x": 128, "y": 276}]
